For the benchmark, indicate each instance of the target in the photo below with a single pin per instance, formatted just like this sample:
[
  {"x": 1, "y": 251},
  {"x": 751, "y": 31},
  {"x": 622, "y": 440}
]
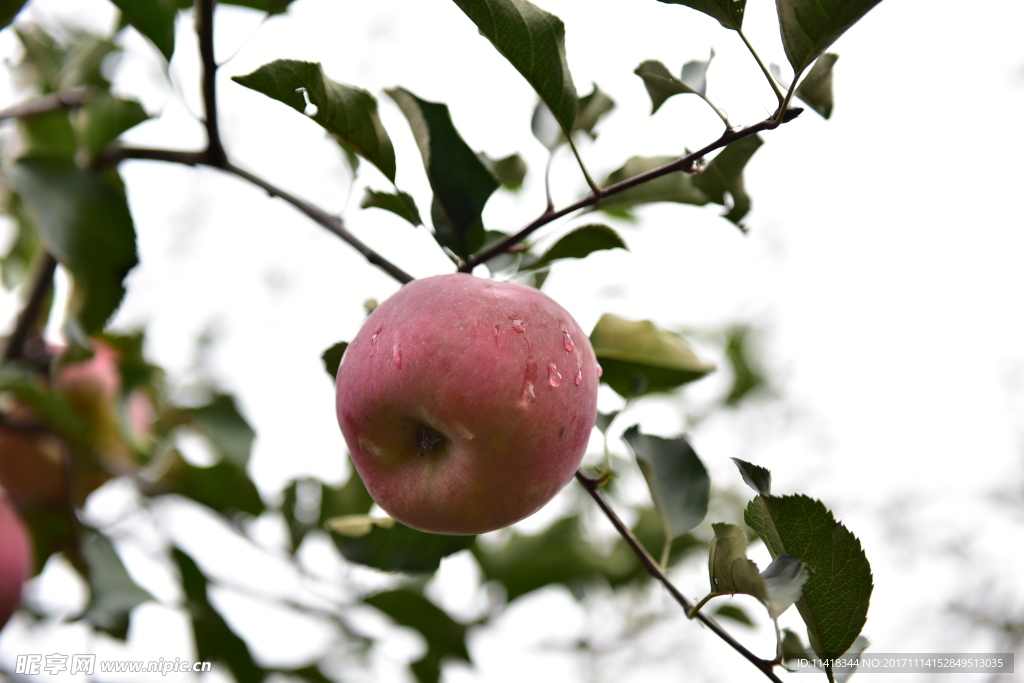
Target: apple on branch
[{"x": 466, "y": 403}]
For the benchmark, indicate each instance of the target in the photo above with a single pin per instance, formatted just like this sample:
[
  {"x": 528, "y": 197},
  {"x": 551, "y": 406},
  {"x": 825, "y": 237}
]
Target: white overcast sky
[{"x": 884, "y": 263}]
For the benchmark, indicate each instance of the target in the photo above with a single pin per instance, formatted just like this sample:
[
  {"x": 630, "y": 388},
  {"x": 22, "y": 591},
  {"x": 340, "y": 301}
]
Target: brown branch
[
  {"x": 42, "y": 282},
  {"x": 652, "y": 567},
  {"x": 45, "y": 103},
  {"x": 204, "y": 28},
  {"x": 685, "y": 164}
]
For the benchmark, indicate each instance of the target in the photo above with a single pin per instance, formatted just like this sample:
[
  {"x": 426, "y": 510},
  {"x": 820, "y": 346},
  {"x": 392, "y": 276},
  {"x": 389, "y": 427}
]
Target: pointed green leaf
[
  {"x": 461, "y": 182},
  {"x": 49, "y": 134},
  {"x": 221, "y": 422},
  {"x": 747, "y": 378},
  {"x": 809, "y": 27},
  {"x": 112, "y": 592},
  {"x": 674, "y": 187},
  {"x": 678, "y": 480},
  {"x": 604, "y": 420},
  {"x": 729, "y": 13},
  {"x": 578, "y": 244},
  {"x": 592, "y": 109},
  {"x": 16, "y": 264},
  {"x": 660, "y": 83},
  {"x": 695, "y": 74},
  {"x": 9, "y": 10},
  {"x": 85, "y": 223},
  {"x": 215, "y": 640},
  {"x": 816, "y": 87},
  {"x": 153, "y": 19},
  {"x": 399, "y": 203},
  {"x": 785, "y": 578},
  {"x": 728, "y": 567},
  {"x": 756, "y": 477},
  {"x": 49, "y": 406},
  {"x": 638, "y": 358},
  {"x": 346, "y": 112},
  {"x": 534, "y": 42},
  {"x": 104, "y": 118},
  {"x": 510, "y": 171},
  {"x": 332, "y": 358},
  {"x": 399, "y": 549},
  {"x": 734, "y": 612},
  {"x": 725, "y": 174},
  {"x": 545, "y": 127},
  {"x": 835, "y": 599},
  {"x": 445, "y": 637}
]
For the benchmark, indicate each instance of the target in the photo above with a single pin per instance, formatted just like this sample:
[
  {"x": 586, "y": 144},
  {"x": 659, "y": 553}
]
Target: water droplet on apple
[
  {"x": 569, "y": 346},
  {"x": 579, "y": 378},
  {"x": 600, "y": 371},
  {"x": 518, "y": 325},
  {"x": 373, "y": 339},
  {"x": 396, "y": 354},
  {"x": 497, "y": 332},
  {"x": 529, "y": 380},
  {"x": 554, "y": 376}
]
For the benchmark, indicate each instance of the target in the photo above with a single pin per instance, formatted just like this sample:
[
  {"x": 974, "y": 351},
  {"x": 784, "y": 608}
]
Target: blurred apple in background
[
  {"x": 15, "y": 559},
  {"x": 466, "y": 403}
]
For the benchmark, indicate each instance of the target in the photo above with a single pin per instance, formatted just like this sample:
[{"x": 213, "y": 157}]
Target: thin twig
[
  {"x": 45, "y": 103},
  {"x": 684, "y": 163},
  {"x": 42, "y": 282},
  {"x": 204, "y": 29},
  {"x": 764, "y": 665}
]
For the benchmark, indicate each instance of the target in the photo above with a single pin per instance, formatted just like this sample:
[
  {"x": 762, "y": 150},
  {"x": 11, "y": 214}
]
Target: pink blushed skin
[
  {"x": 15, "y": 559},
  {"x": 499, "y": 370}
]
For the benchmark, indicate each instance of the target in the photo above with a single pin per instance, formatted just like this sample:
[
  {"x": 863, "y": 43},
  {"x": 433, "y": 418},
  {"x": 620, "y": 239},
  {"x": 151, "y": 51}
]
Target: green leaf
[
  {"x": 49, "y": 134},
  {"x": 604, "y": 420},
  {"x": 534, "y": 42},
  {"x": 85, "y": 223},
  {"x": 695, "y": 74},
  {"x": 638, "y": 358},
  {"x": 461, "y": 182},
  {"x": 756, "y": 477},
  {"x": 228, "y": 432},
  {"x": 728, "y": 567},
  {"x": 153, "y": 19},
  {"x": 400, "y": 549},
  {"x": 104, "y": 118},
  {"x": 112, "y": 592},
  {"x": 223, "y": 487},
  {"x": 735, "y": 613},
  {"x": 816, "y": 87},
  {"x": 835, "y": 599},
  {"x": 346, "y": 112},
  {"x": 399, "y": 203},
  {"x": 809, "y": 27},
  {"x": 9, "y": 10},
  {"x": 676, "y": 477},
  {"x": 729, "y": 13},
  {"x": 660, "y": 83},
  {"x": 214, "y": 638},
  {"x": 16, "y": 264},
  {"x": 725, "y": 174},
  {"x": 579, "y": 243},
  {"x": 269, "y": 6},
  {"x": 674, "y": 187},
  {"x": 446, "y": 638},
  {"x": 308, "y": 504},
  {"x": 510, "y": 171},
  {"x": 332, "y": 358},
  {"x": 75, "y": 61},
  {"x": 746, "y": 377},
  {"x": 592, "y": 109}
]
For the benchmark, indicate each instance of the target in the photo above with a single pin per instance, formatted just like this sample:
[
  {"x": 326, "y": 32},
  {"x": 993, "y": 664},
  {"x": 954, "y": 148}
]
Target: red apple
[
  {"x": 467, "y": 404},
  {"x": 15, "y": 559}
]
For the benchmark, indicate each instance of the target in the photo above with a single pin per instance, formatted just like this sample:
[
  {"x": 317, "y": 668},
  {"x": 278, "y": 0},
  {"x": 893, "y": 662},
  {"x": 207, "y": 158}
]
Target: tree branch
[
  {"x": 591, "y": 485},
  {"x": 685, "y": 164},
  {"x": 42, "y": 282},
  {"x": 204, "y": 28},
  {"x": 45, "y": 103}
]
